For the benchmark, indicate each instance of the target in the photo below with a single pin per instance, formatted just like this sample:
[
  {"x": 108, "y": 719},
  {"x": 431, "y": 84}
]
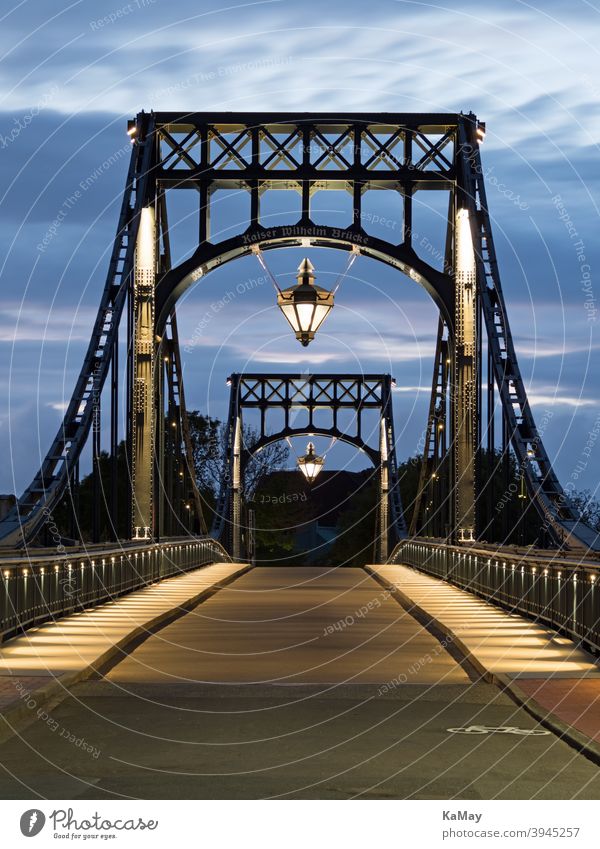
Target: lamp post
[
  {"x": 310, "y": 464},
  {"x": 305, "y": 305}
]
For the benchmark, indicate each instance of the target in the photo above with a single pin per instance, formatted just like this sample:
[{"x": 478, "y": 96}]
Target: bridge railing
[
  {"x": 557, "y": 590},
  {"x": 46, "y": 584}
]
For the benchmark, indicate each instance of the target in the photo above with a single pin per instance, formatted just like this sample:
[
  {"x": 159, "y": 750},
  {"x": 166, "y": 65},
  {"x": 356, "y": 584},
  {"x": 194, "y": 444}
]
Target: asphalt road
[{"x": 291, "y": 682}]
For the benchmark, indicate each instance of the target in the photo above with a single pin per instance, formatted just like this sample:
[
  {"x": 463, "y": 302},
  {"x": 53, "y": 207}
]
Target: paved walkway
[
  {"x": 59, "y": 653},
  {"x": 553, "y": 670}
]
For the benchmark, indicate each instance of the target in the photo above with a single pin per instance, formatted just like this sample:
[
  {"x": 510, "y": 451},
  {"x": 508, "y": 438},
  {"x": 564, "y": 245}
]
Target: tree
[
  {"x": 281, "y": 505},
  {"x": 355, "y": 543},
  {"x": 208, "y": 437},
  {"x": 330, "y": 523},
  {"x": 207, "y": 452},
  {"x": 588, "y": 507},
  {"x": 504, "y": 512},
  {"x": 85, "y": 502}
]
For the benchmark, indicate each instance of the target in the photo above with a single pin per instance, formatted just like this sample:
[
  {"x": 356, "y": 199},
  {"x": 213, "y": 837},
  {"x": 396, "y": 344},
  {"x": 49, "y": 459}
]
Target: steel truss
[
  {"x": 313, "y": 393},
  {"x": 308, "y": 152}
]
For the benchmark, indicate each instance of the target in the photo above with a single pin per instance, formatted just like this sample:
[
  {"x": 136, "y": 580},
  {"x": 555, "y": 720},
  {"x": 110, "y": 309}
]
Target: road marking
[{"x": 499, "y": 729}]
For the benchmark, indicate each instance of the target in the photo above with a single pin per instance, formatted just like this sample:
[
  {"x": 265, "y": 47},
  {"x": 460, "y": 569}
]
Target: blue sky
[{"x": 71, "y": 75}]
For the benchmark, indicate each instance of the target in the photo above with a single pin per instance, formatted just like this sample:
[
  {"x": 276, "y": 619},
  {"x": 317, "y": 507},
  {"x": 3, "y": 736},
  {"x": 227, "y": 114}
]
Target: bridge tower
[{"x": 318, "y": 394}]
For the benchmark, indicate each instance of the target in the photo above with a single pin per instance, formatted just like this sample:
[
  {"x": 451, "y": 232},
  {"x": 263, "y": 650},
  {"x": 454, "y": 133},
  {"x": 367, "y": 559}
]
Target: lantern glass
[
  {"x": 289, "y": 311},
  {"x": 321, "y": 313}
]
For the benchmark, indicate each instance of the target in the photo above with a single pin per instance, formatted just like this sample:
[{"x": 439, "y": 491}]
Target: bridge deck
[
  {"x": 290, "y": 626},
  {"x": 291, "y": 682}
]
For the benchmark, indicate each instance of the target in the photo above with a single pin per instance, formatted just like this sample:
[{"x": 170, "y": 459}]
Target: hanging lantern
[
  {"x": 310, "y": 464},
  {"x": 305, "y": 305}
]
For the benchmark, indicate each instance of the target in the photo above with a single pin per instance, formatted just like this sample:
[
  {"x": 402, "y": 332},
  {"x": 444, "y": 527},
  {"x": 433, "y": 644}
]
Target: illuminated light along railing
[
  {"x": 48, "y": 585},
  {"x": 558, "y": 591}
]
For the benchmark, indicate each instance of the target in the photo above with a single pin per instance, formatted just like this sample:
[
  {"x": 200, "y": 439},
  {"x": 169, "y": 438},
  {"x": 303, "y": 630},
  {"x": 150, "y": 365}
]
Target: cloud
[
  {"x": 544, "y": 347},
  {"x": 261, "y": 56},
  {"x": 287, "y": 358},
  {"x": 553, "y": 397},
  {"x": 37, "y": 322},
  {"x": 412, "y": 389}
]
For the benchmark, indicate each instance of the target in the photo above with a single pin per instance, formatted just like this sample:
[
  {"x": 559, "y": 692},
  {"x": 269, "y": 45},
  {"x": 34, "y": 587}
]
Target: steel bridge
[{"x": 477, "y": 386}]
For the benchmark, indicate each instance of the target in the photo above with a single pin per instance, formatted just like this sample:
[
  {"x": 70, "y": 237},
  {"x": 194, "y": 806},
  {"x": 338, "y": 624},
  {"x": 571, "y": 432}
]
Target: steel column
[
  {"x": 384, "y": 485},
  {"x": 464, "y": 393},
  {"x": 143, "y": 376},
  {"x": 236, "y": 490}
]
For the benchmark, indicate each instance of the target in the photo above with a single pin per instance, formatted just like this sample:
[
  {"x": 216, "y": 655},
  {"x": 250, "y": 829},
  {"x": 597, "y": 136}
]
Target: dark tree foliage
[
  {"x": 289, "y": 510},
  {"x": 355, "y": 544},
  {"x": 208, "y": 449},
  {"x": 588, "y": 506},
  {"x": 280, "y": 506},
  {"x": 207, "y": 435},
  {"x": 207, "y": 452},
  {"x": 84, "y": 501},
  {"x": 505, "y": 513}
]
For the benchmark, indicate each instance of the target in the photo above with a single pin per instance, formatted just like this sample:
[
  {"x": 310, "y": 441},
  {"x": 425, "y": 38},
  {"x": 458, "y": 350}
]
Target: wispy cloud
[
  {"x": 551, "y": 396},
  {"x": 544, "y": 347},
  {"x": 34, "y": 322},
  {"x": 412, "y": 389},
  {"x": 256, "y": 57}
]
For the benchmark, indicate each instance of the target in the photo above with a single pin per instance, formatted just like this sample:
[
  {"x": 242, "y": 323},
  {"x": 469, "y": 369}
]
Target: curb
[
  {"x": 16, "y": 718},
  {"x": 574, "y": 738}
]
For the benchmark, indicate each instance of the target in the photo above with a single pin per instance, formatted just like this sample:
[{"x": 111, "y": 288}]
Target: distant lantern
[
  {"x": 305, "y": 305},
  {"x": 310, "y": 464}
]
